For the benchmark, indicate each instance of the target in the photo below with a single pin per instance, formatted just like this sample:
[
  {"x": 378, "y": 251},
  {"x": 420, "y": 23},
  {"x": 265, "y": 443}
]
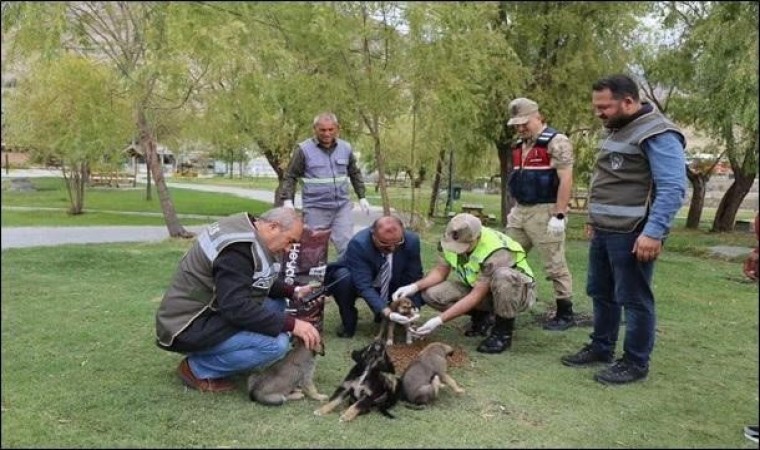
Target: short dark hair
[{"x": 619, "y": 85}]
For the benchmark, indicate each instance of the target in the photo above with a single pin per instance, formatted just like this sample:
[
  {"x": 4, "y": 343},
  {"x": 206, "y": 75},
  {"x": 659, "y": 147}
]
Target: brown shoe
[{"x": 203, "y": 385}]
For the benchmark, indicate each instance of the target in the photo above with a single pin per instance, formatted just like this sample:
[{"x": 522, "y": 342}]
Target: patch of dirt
[
  {"x": 581, "y": 319},
  {"x": 402, "y": 355}
]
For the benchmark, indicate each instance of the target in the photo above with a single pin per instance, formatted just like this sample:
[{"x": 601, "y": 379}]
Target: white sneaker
[{"x": 751, "y": 432}]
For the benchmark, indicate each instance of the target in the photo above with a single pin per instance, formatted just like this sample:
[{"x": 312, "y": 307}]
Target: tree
[
  {"x": 160, "y": 51},
  {"x": 70, "y": 109},
  {"x": 718, "y": 90}
]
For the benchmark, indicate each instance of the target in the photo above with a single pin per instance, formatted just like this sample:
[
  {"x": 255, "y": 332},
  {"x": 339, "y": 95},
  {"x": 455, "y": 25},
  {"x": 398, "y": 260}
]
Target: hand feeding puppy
[
  {"x": 422, "y": 378},
  {"x": 288, "y": 378},
  {"x": 370, "y": 383},
  {"x": 405, "y": 307}
]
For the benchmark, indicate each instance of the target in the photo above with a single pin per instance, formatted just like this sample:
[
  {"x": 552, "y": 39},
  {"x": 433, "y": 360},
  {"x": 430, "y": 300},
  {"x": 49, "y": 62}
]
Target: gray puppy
[
  {"x": 422, "y": 378},
  {"x": 287, "y": 379}
]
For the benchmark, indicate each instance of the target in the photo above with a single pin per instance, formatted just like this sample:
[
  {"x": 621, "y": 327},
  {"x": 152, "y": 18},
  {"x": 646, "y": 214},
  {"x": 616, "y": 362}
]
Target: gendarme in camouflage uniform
[{"x": 540, "y": 184}]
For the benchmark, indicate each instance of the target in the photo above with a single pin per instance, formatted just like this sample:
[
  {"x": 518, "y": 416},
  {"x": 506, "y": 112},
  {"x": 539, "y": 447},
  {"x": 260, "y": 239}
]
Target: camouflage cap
[
  {"x": 461, "y": 231},
  {"x": 521, "y": 110}
]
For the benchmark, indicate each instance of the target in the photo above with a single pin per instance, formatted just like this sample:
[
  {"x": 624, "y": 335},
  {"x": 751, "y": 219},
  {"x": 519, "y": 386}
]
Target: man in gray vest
[
  {"x": 637, "y": 188},
  {"x": 225, "y": 307},
  {"x": 325, "y": 165}
]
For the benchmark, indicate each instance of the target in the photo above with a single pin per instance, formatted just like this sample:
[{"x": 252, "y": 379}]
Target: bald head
[{"x": 387, "y": 233}]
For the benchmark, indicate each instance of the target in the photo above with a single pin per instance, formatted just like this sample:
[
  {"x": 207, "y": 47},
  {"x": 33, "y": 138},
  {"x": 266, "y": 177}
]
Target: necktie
[{"x": 385, "y": 277}]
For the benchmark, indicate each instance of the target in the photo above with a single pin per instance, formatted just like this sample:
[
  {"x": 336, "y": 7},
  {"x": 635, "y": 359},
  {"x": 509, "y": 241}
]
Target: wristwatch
[{"x": 560, "y": 216}]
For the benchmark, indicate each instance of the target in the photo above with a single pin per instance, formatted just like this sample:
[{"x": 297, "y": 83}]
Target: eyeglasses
[{"x": 387, "y": 245}]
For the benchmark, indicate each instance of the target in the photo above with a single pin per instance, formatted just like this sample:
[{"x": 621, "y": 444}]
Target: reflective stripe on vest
[
  {"x": 325, "y": 180},
  {"x": 621, "y": 186},
  {"x": 533, "y": 180},
  {"x": 490, "y": 241}
]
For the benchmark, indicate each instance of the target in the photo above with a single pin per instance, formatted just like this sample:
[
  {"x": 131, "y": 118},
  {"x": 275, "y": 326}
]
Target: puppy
[
  {"x": 288, "y": 378},
  {"x": 422, "y": 378},
  {"x": 405, "y": 307},
  {"x": 371, "y": 383}
]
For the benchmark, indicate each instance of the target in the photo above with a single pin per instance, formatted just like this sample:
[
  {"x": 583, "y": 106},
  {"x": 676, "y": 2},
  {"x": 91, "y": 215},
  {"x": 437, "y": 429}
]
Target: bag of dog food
[{"x": 303, "y": 263}]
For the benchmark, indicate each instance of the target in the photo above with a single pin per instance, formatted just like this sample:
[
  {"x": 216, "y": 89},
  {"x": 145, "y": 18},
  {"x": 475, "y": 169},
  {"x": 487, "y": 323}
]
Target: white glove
[
  {"x": 556, "y": 226},
  {"x": 428, "y": 327},
  {"x": 400, "y": 318},
  {"x": 288, "y": 204},
  {"x": 405, "y": 291},
  {"x": 364, "y": 204}
]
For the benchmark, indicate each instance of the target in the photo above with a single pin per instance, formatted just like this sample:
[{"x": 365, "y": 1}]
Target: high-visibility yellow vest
[{"x": 490, "y": 241}]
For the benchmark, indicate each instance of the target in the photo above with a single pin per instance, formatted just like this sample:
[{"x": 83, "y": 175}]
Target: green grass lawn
[{"x": 80, "y": 367}]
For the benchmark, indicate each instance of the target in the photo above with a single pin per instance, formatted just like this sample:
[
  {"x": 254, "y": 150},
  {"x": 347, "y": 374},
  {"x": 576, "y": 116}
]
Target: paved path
[{"x": 13, "y": 237}]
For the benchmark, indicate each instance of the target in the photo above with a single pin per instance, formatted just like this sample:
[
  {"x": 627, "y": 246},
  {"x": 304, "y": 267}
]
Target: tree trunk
[
  {"x": 380, "y": 159},
  {"x": 148, "y": 146},
  {"x": 505, "y": 169},
  {"x": 436, "y": 183},
  {"x": 696, "y": 205},
  {"x": 148, "y": 188},
  {"x": 276, "y": 164},
  {"x": 729, "y": 205}
]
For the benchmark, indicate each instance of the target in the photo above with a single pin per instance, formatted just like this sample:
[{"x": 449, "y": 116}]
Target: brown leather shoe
[{"x": 203, "y": 385}]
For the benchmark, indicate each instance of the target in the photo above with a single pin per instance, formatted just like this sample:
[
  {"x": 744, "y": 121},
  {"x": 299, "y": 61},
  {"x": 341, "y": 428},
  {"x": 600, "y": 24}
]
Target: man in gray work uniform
[{"x": 325, "y": 165}]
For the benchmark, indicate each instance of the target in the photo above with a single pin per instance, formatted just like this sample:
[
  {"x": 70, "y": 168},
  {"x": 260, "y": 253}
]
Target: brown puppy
[
  {"x": 422, "y": 378},
  {"x": 405, "y": 307},
  {"x": 288, "y": 378}
]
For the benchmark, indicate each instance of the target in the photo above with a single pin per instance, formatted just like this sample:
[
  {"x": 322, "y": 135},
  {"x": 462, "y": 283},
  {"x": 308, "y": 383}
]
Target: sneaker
[
  {"x": 585, "y": 358},
  {"x": 751, "y": 433},
  {"x": 480, "y": 325},
  {"x": 560, "y": 323},
  {"x": 202, "y": 384},
  {"x": 495, "y": 343},
  {"x": 622, "y": 372}
]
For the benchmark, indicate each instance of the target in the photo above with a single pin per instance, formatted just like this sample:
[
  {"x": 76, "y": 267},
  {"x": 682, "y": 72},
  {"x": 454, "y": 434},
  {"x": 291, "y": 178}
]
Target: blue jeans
[
  {"x": 243, "y": 351},
  {"x": 617, "y": 282}
]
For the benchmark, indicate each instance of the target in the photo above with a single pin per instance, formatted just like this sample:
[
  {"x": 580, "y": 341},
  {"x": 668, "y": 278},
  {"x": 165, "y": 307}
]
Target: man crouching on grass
[{"x": 225, "y": 307}]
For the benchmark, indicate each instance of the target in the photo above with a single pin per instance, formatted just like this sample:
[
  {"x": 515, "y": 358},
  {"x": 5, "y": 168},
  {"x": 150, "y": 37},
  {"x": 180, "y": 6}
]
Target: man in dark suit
[{"x": 383, "y": 249}]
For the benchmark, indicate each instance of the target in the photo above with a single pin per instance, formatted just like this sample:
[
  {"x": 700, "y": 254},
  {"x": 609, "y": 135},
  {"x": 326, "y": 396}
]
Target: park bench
[
  {"x": 477, "y": 211},
  {"x": 579, "y": 199},
  {"x": 112, "y": 179}
]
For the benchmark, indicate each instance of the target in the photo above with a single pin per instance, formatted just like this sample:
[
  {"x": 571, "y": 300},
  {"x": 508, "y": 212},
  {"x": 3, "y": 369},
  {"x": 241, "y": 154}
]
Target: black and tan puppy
[
  {"x": 422, "y": 378},
  {"x": 370, "y": 384},
  {"x": 287, "y": 379},
  {"x": 406, "y": 308}
]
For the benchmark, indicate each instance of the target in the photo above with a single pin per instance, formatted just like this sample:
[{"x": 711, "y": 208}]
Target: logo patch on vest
[{"x": 616, "y": 161}]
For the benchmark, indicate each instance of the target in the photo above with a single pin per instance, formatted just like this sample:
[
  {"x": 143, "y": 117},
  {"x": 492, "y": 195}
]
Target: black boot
[
  {"x": 500, "y": 338},
  {"x": 480, "y": 323},
  {"x": 563, "y": 318}
]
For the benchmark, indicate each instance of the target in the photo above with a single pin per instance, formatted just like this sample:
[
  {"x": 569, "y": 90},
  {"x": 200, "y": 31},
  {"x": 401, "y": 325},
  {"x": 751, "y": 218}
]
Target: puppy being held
[
  {"x": 404, "y": 307},
  {"x": 370, "y": 383},
  {"x": 422, "y": 378},
  {"x": 287, "y": 379}
]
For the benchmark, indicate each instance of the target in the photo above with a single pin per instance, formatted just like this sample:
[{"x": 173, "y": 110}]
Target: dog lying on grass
[
  {"x": 405, "y": 307},
  {"x": 370, "y": 384},
  {"x": 425, "y": 374},
  {"x": 287, "y": 379}
]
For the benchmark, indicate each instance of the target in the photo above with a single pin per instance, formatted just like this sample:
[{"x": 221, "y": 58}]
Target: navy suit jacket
[{"x": 364, "y": 261}]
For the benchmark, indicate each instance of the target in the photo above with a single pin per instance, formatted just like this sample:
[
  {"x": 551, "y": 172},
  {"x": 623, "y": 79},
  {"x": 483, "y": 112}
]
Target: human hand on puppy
[
  {"x": 308, "y": 334},
  {"x": 405, "y": 291},
  {"x": 428, "y": 327},
  {"x": 303, "y": 291}
]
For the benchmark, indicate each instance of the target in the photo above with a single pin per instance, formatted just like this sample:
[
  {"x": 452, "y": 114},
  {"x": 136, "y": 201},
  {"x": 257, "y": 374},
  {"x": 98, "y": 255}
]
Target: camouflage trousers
[
  {"x": 527, "y": 226},
  {"x": 511, "y": 292}
]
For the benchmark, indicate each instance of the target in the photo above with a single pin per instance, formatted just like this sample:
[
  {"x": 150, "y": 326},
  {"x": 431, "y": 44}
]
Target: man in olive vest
[
  {"x": 325, "y": 165},
  {"x": 540, "y": 183},
  {"x": 637, "y": 188},
  {"x": 491, "y": 274},
  {"x": 225, "y": 307}
]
